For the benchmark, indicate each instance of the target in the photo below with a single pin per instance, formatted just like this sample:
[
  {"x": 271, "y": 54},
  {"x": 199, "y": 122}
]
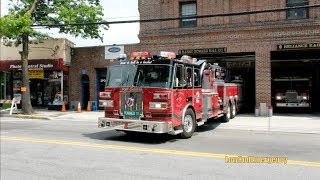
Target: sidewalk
[
  {"x": 298, "y": 123},
  {"x": 52, "y": 114}
]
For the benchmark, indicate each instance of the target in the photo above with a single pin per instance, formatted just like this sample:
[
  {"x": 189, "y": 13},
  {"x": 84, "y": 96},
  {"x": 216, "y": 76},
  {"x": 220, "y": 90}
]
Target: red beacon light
[
  {"x": 145, "y": 55},
  {"x": 140, "y": 55},
  {"x": 168, "y": 55}
]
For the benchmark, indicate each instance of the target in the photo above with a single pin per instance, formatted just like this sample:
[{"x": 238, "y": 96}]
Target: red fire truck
[
  {"x": 292, "y": 92},
  {"x": 163, "y": 94}
]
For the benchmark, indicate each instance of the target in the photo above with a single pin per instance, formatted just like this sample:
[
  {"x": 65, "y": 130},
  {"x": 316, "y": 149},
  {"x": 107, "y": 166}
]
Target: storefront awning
[{"x": 40, "y": 64}]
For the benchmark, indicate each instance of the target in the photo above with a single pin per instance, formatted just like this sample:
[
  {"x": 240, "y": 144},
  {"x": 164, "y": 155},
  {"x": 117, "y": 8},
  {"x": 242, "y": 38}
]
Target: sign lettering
[
  {"x": 298, "y": 46},
  {"x": 36, "y": 74},
  {"x": 45, "y": 64},
  {"x": 203, "y": 51}
]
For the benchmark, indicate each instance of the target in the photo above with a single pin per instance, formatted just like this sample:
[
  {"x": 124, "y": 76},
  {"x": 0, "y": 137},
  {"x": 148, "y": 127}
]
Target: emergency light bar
[
  {"x": 140, "y": 55},
  {"x": 168, "y": 55}
]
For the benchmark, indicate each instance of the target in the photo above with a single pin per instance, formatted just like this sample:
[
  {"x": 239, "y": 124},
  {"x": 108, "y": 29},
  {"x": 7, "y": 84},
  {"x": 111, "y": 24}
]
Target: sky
[{"x": 114, "y": 10}]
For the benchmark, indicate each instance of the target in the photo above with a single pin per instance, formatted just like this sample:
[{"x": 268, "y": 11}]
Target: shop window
[
  {"x": 16, "y": 83},
  {"x": 188, "y": 9},
  {"x": 299, "y": 13},
  {"x": 52, "y": 94},
  {"x": 66, "y": 86},
  {"x": 5, "y": 85}
]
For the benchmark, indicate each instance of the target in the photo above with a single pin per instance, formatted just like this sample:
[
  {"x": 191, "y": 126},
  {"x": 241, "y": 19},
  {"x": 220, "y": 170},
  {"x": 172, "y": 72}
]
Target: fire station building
[{"x": 256, "y": 45}]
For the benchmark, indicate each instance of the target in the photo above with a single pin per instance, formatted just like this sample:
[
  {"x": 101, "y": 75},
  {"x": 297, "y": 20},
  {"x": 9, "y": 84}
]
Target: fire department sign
[
  {"x": 298, "y": 46},
  {"x": 203, "y": 51}
]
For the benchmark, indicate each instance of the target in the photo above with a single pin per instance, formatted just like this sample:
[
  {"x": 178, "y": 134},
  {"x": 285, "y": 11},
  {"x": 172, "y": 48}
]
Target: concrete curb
[{"x": 32, "y": 116}]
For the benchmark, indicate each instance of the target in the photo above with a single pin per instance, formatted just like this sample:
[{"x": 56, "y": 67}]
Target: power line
[{"x": 179, "y": 18}]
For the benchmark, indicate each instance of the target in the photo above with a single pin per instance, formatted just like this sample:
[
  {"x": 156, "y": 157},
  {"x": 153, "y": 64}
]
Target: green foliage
[
  {"x": 12, "y": 27},
  {"x": 22, "y": 16}
]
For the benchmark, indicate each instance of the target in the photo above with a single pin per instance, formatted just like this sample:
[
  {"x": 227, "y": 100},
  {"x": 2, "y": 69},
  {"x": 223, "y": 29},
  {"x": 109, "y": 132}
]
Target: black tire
[
  {"x": 233, "y": 110},
  {"x": 226, "y": 117},
  {"x": 188, "y": 124}
]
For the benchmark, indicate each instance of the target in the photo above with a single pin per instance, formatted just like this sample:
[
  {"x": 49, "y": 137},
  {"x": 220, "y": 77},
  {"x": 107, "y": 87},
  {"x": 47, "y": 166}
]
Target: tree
[{"x": 16, "y": 27}]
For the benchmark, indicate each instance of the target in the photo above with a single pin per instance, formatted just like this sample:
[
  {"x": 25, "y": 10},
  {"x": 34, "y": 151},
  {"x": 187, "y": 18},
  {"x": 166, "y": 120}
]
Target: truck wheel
[
  {"x": 188, "y": 124},
  {"x": 226, "y": 117},
  {"x": 233, "y": 111}
]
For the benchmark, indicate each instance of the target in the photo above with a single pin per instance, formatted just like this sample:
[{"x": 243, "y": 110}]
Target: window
[
  {"x": 179, "y": 76},
  {"x": 197, "y": 81},
  {"x": 188, "y": 9},
  {"x": 299, "y": 13},
  {"x": 189, "y": 78}
]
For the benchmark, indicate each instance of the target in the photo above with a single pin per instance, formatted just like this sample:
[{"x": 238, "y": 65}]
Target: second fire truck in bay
[
  {"x": 163, "y": 94},
  {"x": 292, "y": 92}
]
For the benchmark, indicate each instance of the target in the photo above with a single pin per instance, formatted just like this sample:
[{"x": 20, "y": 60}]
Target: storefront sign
[
  {"x": 36, "y": 74},
  {"x": 202, "y": 51},
  {"x": 298, "y": 46},
  {"x": 113, "y": 52},
  {"x": 33, "y": 66},
  {"x": 43, "y": 64}
]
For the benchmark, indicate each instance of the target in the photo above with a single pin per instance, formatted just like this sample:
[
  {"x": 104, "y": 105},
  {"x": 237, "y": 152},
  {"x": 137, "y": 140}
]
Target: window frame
[
  {"x": 181, "y": 78},
  {"x": 304, "y": 10},
  {"x": 190, "y": 82},
  {"x": 197, "y": 80},
  {"x": 186, "y": 23}
]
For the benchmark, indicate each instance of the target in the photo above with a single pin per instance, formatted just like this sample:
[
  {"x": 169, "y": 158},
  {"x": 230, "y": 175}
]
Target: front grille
[
  {"x": 292, "y": 97},
  {"x": 131, "y": 104}
]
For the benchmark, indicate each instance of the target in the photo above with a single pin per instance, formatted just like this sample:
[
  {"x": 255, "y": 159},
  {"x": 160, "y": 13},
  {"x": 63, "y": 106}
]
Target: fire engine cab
[
  {"x": 164, "y": 94},
  {"x": 290, "y": 92}
]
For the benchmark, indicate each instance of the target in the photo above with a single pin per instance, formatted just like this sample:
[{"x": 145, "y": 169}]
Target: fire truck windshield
[
  {"x": 153, "y": 75},
  {"x": 292, "y": 84},
  {"x": 121, "y": 75},
  {"x": 141, "y": 75}
]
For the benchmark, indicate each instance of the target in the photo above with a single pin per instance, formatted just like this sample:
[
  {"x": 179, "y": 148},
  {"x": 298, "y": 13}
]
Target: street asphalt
[
  {"x": 279, "y": 122},
  {"x": 75, "y": 148}
]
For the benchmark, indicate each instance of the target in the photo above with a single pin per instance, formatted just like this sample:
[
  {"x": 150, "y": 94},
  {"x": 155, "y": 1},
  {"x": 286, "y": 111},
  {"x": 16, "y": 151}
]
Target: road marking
[{"x": 141, "y": 149}]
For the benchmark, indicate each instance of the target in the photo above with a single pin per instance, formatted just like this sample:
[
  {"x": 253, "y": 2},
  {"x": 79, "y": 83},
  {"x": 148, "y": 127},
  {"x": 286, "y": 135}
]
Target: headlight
[
  {"x": 105, "y": 94},
  {"x": 106, "y": 103},
  {"x": 158, "y": 105},
  {"x": 278, "y": 97},
  {"x": 304, "y": 97},
  {"x": 161, "y": 96}
]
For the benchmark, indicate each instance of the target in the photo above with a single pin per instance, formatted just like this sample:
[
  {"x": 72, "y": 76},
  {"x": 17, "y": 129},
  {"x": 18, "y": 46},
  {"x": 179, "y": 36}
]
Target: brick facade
[
  {"x": 258, "y": 34},
  {"x": 88, "y": 59}
]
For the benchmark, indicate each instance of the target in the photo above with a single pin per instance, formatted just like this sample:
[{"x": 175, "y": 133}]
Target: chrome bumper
[
  {"x": 136, "y": 125},
  {"x": 292, "y": 105}
]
